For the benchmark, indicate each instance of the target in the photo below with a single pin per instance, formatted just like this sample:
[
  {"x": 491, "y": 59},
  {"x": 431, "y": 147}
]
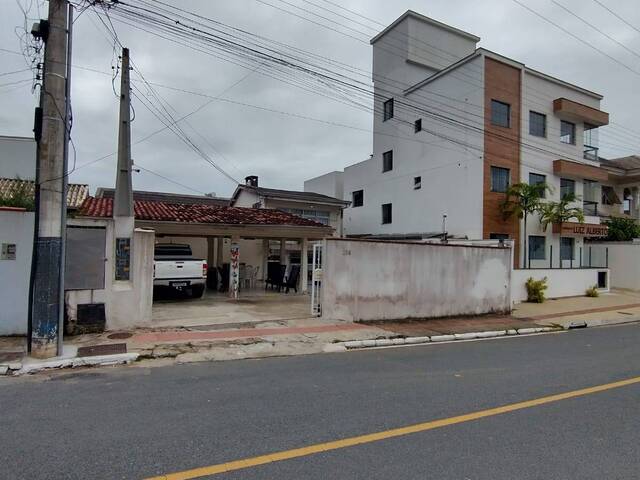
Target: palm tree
[
  {"x": 523, "y": 200},
  {"x": 559, "y": 212}
]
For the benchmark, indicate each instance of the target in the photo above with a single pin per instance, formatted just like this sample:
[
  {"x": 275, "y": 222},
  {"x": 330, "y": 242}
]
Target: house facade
[{"x": 454, "y": 126}]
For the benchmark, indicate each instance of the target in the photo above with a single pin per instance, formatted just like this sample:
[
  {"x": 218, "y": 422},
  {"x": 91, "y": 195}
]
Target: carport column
[
  {"x": 304, "y": 247},
  {"x": 219, "y": 248},
  {"x": 211, "y": 252},
  {"x": 265, "y": 258},
  {"x": 283, "y": 251},
  {"x": 234, "y": 267}
]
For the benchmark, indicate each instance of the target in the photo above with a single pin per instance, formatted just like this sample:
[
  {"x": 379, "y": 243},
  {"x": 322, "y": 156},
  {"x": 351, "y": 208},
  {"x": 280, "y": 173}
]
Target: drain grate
[
  {"x": 119, "y": 335},
  {"x": 107, "y": 349}
]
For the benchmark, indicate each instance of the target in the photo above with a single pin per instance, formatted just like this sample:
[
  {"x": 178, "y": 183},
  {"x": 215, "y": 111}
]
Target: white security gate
[{"x": 316, "y": 280}]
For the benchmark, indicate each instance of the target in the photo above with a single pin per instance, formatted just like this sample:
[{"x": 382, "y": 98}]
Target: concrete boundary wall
[
  {"x": 390, "y": 280},
  {"x": 561, "y": 282},
  {"x": 623, "y": 259},
  {"x": 16, "y": 229}
]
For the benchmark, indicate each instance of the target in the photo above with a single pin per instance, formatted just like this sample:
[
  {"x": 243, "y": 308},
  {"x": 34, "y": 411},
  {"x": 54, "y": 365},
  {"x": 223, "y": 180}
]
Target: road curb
[
  {"x": 57, "y": 363},
  {"x": 390, "y": 342}
]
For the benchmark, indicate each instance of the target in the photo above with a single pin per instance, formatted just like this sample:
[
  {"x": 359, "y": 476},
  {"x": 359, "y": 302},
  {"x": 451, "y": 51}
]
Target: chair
[
  {"x": 275, "y": 275},
  {"x": 246, "y": 275},
  {"x": 292, "y": 279},
  {"x": 253, "y": 279}
]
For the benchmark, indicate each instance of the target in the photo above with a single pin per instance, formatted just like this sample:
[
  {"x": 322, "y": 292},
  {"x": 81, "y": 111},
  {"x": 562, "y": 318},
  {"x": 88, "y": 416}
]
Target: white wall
[
  {"x": 623, "y": 260},
  {"x": 451, "y": 174},
  {"x": 331, "y": 184},
  {"x": 127, "y": 303},
  {"x": 367, "y": 280},
  {"x": 16, "y": 228},
  {"x": 560, "y": 282},
  {"x": 18, "y": 158}
]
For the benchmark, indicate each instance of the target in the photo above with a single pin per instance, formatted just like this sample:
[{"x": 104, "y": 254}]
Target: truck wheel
[{"x": 197, "y": 291}]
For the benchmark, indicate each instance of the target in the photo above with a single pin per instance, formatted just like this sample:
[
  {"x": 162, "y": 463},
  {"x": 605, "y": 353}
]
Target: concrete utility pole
[
  {"x": 123, "y": 198},
  {"x": 46, "y": 306},
  {"x": 123, "y": 201}
]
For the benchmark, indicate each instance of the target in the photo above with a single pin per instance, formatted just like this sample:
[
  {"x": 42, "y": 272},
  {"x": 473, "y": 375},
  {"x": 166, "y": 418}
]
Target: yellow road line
[{"x": 395, "y": 432}]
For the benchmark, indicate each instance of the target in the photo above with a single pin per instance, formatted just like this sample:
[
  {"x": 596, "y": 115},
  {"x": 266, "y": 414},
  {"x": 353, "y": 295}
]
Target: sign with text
[{"x": 581, "y": 229}]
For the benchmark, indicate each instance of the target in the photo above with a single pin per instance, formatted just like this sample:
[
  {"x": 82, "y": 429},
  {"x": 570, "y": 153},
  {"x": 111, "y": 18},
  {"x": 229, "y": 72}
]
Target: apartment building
[{"x": 454, "y": 126}]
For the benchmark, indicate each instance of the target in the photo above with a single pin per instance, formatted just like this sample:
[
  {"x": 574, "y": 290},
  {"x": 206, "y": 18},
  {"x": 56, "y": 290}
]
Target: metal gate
[{"x": 316, "y": 280}]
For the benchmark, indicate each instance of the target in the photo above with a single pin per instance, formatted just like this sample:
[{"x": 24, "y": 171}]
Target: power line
[
  {"x": 594, "y": 27},
  {"x": 617, "y": 16},
  {"x": 602, "y": 52}
]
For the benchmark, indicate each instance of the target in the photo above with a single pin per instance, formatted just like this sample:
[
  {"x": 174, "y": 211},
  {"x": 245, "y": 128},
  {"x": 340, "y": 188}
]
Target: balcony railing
[
  {"x": 590, "y": 153},
  {"x": 590, "y": 208}
]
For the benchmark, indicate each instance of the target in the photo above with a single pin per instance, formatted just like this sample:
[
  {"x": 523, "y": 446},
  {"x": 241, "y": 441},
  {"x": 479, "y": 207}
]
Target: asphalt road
[{"x": 138, "y": 422}]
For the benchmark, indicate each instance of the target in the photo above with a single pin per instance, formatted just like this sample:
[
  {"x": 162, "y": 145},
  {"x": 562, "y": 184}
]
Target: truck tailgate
[{"x": 169, "y": 269}]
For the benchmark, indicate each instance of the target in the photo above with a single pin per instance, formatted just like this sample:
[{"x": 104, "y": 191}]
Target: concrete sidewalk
[{"x": 267, "y": 336}]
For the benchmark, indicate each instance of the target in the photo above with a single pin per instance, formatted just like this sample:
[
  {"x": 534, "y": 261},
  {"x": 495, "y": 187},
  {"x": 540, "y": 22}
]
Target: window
[
  {"x": 567, "y": 187},
  {"x": 609, "y": 196},
  {"x": 535, "y": 179},
  {"x": 319, "y": 216},
  {"x": 387, "y": 161},
  {"x": 417, "y": 125},
  {"x": 386, "y": 213},
  {"x": 499, "y": 179},
  {"x": 387, "y": 110},
  {"x": 537, "y": 247},
  {"x": 357, "y": 198},
  {"x": 417, "y": 183},
  {"x": 500, "y": 114},
  {"x": 566, "y": 248},
  {"x": 567, "y": 132},
  {"x": 537, "y": 124},
  {"x": 499, "y": 236}
]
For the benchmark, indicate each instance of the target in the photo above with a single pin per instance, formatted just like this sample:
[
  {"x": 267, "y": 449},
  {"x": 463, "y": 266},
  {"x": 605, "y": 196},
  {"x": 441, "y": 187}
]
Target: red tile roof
[
  {"x": 76, "y": 192},
  {"x": 176, "y": 212}
]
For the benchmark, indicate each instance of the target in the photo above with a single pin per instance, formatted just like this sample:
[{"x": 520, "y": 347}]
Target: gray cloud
[{"x": 284, "y": 150}]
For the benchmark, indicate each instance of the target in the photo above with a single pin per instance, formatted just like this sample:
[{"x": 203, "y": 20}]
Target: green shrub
[
  {"x": 535, "y": 289},
  {"x": 622, "y": 229},
  {"x": 592, "y": 291},
  {"x": 20, "y": 196}
]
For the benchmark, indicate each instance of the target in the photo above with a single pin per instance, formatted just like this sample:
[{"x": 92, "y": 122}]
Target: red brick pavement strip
[
  {"x": 582, "y": 312},
  {"x": 152, "y": 337}
]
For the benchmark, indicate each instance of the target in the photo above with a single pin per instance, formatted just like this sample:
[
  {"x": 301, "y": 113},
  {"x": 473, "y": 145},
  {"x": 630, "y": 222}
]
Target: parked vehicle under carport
[{"x": 175, "y": 271}]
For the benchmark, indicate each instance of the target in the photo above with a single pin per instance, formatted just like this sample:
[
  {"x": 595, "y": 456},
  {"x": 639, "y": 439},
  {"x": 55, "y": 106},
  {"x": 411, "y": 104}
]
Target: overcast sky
[{"x": 282, "y": 150}]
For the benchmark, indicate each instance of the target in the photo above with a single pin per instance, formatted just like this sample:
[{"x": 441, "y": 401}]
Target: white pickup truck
[{"x": 175, "y": 269}]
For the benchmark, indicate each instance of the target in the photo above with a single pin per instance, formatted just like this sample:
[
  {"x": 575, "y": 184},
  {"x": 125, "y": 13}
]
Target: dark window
[
  {"x": 499, "y": 179},
  {"x": 387, "y": 161},
  {"x": 567, "y": 187},
  {"x": 357, "y": 198},
  {"x": 537, "y": 124},
  {"x": 567, "y": 132},
  {"x": 499, "y": 236},
  {"x": 388, "y": 110},
  {"x": 535, "y": 179},
  {"x": 566, "y": 248},
  {"x": 386, "y": 213},
  {"x": 609, "y": 196},
  {"x": 417, "y": 183},
  {"x": 417, "y": 125},
  {"x": 536, "y": 247},
  {"x": 500, "y": 114}
]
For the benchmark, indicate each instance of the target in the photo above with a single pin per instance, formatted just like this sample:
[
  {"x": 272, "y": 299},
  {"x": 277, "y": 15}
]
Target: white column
[
  {"x": 219, "y": 250},
  {"x": 303, "y": 281},
  {"x": 283, "y": 251},
  {"x": 265, "y": 257},
  {"x": 234, "y": 268}
]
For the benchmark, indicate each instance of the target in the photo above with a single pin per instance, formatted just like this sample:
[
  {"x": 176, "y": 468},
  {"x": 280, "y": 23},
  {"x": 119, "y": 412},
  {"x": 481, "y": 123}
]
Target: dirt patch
[{"x": 443, "y": 326}]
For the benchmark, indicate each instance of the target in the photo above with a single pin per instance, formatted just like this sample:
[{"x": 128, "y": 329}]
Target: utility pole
[
  {"x": 46, "y": 305},
  {"x": 123, "y": 198}
]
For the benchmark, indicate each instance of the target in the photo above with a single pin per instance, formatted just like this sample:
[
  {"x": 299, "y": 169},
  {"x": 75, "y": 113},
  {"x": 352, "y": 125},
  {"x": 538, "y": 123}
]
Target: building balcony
[
  {"x": 578, "y": 112},
  {"x": 579, "y": 171},
  {"x": 590, "y": 208},
  {"x": 590, "y": 153}
]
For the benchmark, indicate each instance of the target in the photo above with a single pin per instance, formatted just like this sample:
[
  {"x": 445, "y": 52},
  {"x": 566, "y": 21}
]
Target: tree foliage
[
  {"x": 560, "y": 212},
  {"x": 622, "y": 229}
]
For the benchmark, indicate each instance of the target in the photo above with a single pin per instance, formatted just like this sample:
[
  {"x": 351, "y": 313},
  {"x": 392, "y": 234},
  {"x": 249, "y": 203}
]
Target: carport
[{"x": 216, "y": 224}]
